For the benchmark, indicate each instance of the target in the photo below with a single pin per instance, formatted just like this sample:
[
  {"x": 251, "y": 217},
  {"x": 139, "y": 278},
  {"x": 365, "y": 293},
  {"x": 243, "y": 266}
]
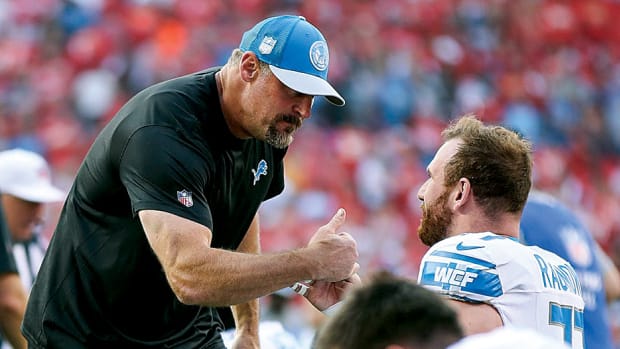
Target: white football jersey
[{"x": 530, "y": 287}]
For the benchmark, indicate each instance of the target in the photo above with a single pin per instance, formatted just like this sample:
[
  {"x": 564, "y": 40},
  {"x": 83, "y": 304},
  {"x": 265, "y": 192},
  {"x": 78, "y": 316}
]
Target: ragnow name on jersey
[{"x": 561, "y": 277}]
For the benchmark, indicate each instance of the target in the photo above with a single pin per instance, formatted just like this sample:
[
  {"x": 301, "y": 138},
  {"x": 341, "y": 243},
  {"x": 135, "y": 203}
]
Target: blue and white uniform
[
  {"x": 549, "y": 224},
  {"x": 530, "y": 287}
]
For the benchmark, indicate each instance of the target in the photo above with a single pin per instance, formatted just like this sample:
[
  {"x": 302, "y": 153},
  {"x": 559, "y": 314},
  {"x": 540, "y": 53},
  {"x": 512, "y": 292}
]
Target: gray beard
[{"x": 278, "y": 139}]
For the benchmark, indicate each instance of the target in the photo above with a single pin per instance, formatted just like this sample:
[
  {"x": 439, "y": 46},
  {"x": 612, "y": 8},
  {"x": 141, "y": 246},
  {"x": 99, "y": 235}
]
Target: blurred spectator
[
  {"x": 13, "y": 300},
  {"x": 25, "y": 189},
  {"x": 548, "y": 224}
]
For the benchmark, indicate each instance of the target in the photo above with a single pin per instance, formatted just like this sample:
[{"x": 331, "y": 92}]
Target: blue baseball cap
[{"x": 296, "y": 52}]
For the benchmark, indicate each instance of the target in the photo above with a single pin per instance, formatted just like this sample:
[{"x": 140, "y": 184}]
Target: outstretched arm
[{"x": 199, "y": 274}]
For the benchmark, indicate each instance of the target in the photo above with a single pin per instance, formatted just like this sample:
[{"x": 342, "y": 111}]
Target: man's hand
[
  {"x": 324, "y": 294},
  {"x": 245, "y": 341},
  {"x": 334, "y": 254}
]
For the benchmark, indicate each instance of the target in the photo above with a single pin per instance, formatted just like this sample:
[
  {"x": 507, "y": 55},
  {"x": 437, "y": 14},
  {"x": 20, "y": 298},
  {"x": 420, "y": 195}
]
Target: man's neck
[
  {"x": 505, "y": 224},
  {"x": 228, "y": 102}
]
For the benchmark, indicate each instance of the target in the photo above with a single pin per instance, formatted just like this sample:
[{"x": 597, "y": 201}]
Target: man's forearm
[
  {"x": 202, "y": 275},
  {"x": 246, "y": 315},
  {"x": 12, "y": 306},
  {"x": 246, "y": 318}
]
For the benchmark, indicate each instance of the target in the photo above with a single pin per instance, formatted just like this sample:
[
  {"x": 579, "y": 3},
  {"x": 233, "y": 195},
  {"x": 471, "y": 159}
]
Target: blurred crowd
[{"x": 547, "y": 68}]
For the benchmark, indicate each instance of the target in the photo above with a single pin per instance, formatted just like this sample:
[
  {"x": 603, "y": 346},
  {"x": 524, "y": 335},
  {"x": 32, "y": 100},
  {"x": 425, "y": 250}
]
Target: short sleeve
[
  {"x": 461, "y": 271},
  {"x": 162, "y": 170}
]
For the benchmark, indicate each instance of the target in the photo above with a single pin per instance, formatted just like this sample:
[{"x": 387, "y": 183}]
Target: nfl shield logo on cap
[{"x": 185, "y": 197}]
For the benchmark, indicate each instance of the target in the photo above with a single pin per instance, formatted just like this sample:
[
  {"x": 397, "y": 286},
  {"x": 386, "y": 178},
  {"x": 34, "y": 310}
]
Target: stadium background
[{"x": 547, "y": 68}]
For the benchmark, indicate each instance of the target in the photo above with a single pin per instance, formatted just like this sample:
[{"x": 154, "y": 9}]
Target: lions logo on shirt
[{"x": 261, "y": 169}]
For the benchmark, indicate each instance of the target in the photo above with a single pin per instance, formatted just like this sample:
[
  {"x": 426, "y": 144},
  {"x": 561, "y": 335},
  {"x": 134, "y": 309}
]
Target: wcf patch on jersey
[{"x": 185, "y": 197}]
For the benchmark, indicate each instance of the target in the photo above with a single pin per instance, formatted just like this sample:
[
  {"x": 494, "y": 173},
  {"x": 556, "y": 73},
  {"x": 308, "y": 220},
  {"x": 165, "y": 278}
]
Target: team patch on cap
[
  {"x": 185, "y": 198},
  {"x": 267, "y": 45},
  {"x": 319, "y": 55}
]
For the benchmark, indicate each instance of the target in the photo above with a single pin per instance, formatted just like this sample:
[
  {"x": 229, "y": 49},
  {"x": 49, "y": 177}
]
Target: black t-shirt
[
  {"x": 167, "y": 149},
  {"x": 7, "y": 261}
]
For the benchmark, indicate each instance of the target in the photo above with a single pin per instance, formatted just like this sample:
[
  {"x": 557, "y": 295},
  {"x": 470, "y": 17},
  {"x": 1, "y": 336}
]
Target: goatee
[{"x": 282, "y": 139}]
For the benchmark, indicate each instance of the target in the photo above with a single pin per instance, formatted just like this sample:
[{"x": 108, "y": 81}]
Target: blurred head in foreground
[{"x": 390, "y": 312}]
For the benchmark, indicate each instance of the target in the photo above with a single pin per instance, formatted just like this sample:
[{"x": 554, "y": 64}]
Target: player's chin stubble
[
  {"x": 436, "y": 219},
  {"x": 282, "y": 139}
]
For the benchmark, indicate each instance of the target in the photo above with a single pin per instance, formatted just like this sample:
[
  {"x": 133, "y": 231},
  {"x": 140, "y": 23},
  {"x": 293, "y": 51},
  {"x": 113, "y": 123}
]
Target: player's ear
[
  {"x": 249, "y": 66},
  {"x": 463, "y": 192}
]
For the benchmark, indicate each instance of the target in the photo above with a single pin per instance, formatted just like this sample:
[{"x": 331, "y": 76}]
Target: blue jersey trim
[
  {"x": 464, "y": 258},
  {"x": 499, "y": 237}
]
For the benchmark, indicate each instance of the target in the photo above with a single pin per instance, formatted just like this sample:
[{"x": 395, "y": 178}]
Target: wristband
[
  {"x": 331, "y": 310},
  {"x": 300, "y": 289}
]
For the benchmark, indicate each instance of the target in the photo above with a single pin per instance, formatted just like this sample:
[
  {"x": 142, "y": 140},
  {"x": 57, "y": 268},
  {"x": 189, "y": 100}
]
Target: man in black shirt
[{"x": 161, "y": 227}]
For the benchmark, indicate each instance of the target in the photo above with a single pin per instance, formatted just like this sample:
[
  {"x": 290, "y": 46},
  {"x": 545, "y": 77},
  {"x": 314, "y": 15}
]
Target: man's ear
[
  {"x": 249, "y": 66},
  {"x": 462, "y": 192}
]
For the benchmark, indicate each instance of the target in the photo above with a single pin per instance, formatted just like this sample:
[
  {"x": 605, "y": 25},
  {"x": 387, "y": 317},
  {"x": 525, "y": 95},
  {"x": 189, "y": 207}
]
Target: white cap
[{"x": 26, "y": 175}]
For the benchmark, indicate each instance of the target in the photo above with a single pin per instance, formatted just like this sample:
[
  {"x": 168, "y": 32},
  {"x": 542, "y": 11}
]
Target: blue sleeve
[
  {"x": 161, "y": 172},
  {"x": 466, "y": 275}
]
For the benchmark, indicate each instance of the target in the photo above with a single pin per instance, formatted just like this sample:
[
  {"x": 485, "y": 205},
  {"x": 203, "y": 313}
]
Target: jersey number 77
[{"x": 567, "y": 317}]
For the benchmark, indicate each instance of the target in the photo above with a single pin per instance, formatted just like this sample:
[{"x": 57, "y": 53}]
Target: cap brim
[
  {"x": 308, "y": 84},
  {"x": 38, "y": 194}
]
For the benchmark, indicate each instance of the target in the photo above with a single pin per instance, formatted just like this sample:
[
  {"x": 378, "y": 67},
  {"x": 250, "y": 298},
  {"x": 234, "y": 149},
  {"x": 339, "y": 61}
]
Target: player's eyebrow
[{"x": 428, "y": 173}]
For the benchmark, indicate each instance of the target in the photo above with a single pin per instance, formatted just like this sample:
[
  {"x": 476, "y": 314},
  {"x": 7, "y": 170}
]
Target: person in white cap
[
  {"x": 25, "y": 186},
  {"x": 161, "y": 224}
]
